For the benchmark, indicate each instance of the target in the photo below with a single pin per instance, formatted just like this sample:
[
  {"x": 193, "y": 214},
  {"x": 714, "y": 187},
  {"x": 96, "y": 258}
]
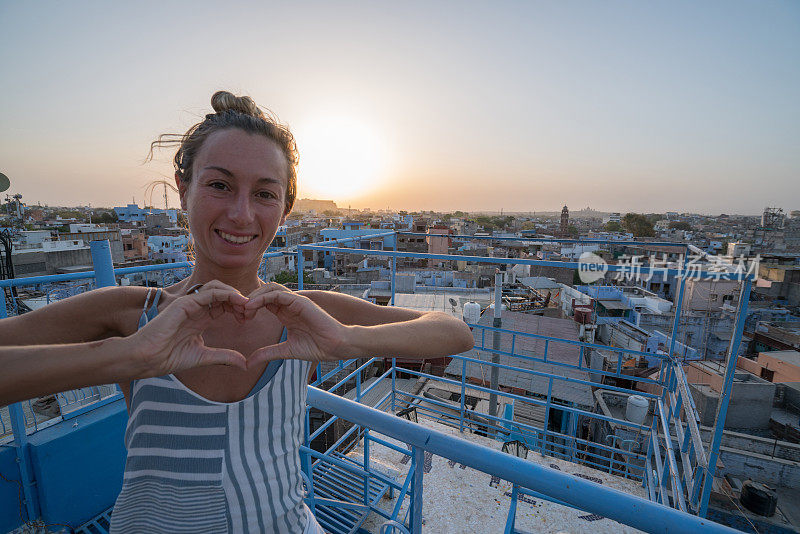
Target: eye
[
  {"x": 221, "y": 186},
  {"x": 266, "y": 194}
]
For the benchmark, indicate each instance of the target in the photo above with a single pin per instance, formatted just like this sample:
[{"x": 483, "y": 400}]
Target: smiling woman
[
  {"x": 342, "y": 158},
  {"x": 214, "y": 368}
]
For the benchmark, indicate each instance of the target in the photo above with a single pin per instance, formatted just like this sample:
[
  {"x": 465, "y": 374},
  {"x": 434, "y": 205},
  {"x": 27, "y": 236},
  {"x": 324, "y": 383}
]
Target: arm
[
  {"x": 36, "y": 370},
  {"x": 86, "y": 317},
  {"x": 171, "y": 342},
  {"x": 392, "y": 331},
  {"x": 331, "y": 326}
]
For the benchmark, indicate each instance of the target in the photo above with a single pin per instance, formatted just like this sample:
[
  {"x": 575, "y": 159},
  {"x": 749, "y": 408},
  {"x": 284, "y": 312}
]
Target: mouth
[{"x": 235, "y": 239}]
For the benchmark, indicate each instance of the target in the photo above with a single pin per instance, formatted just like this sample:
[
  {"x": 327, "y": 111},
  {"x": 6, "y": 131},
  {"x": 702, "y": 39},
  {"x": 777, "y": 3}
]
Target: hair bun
[{"x": 223, "y": 101}]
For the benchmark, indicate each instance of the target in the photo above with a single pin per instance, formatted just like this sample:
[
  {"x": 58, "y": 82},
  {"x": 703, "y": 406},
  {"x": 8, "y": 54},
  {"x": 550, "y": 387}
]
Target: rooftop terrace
[{"x": 548, "y": 459}]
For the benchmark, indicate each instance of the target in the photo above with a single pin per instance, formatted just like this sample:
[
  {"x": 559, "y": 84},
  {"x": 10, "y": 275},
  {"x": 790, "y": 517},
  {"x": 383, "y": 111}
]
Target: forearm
[
  {"x": 36, "y": 370},
  {"x": 432, "y": 335}
]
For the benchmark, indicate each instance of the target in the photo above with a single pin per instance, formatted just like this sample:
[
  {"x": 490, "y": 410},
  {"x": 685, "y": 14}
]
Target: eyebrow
[{"x": 229, "y": 174}]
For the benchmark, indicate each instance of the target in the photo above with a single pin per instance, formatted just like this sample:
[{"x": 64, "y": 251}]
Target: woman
[{"x": 215, "y": 383}]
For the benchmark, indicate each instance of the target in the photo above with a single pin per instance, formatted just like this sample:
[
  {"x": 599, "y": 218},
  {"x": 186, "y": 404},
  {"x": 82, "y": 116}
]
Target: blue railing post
[
  {"x": 103, "y": 263},
  {"x": 394, "y": 266},
  {"x": 725, "y": 396},
  {"x": 366, "y": 467},
  {"x": 24, "y": 460},
  {"x": 677, "y": 304},
  {"x": 300, "y": 267},
  {"x": 305, "y": 459},
  {"x": 394, "y": 385},
  {"x": 104, "y": 269},
  {"x": 416, "y": 490},
  {"x": 512, "y": 511},
  {"x": 463, "y": 394}
]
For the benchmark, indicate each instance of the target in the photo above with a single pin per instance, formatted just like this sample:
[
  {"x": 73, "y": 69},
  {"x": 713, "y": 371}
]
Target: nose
[{"x": 240, "y": 210}]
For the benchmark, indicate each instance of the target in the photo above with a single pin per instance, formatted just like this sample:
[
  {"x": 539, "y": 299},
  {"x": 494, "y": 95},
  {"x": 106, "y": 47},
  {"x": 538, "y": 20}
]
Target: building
[
  {"x": 134, "y": 244},
  {"x": 439, "y": 242},
  {"x": 133, "y": 213},
  {"x": 167, "y": 248}
]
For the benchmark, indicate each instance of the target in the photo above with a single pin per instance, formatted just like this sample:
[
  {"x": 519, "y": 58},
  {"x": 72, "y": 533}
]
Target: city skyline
[{"x": 619, "y": 106}]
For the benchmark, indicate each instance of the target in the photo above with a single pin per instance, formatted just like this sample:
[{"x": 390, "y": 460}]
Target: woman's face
[{"x": 235, "y": 200}]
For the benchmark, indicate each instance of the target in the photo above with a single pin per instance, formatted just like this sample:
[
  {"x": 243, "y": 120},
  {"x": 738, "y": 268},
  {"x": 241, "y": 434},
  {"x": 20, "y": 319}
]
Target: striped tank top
[{"x": 196, "y": 465}]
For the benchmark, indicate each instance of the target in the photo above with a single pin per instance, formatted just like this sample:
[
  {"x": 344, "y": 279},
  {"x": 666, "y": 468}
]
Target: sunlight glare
[{"x": 340, "y": 159}]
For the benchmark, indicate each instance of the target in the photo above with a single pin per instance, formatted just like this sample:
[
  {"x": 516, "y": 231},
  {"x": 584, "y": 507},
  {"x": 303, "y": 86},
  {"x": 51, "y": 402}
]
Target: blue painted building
[{"x": 133, "y": 213}]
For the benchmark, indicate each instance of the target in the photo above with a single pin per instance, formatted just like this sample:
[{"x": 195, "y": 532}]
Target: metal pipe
[
  {"x": 394, "y": 267},
  {"x": 702, "y": 275},
  {"x": 725, "y": 396},
  {"x": 299, "y": 267},
  {"x": 416, "y": 490},
  {"x": 497, "y": 323}
]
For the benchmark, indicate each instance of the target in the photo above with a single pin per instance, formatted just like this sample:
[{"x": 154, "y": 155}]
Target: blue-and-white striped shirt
[{"x": 196, "y": 465}]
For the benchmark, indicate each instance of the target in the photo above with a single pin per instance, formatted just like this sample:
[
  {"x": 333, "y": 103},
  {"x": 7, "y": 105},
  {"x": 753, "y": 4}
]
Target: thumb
[
  {"x": 229, "y": 357},
  {"x": 269, "y": 353}
]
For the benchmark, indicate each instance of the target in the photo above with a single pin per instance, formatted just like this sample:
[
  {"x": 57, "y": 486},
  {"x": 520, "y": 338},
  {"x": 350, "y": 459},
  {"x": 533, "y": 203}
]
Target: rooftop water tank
[
  {"x": 471, "y": 313},
  {"x": 636, "y": 410},
  {"x": 503, "y": 307}
]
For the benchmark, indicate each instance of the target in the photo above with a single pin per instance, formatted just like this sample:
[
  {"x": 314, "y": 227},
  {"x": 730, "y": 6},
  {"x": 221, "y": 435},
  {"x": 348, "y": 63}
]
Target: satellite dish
[
  {"x": 5, "y": 183},
  {"x": 453, "y": 302}
]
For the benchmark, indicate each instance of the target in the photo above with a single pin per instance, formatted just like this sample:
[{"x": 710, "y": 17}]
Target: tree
[
  {"x": 638, "y": 225},
  {"x": 107, "y": 217},
  {"x": 613, "y": 226},
  {"x": 680, "y": 225},
  {"x": 289, "y": 277}
]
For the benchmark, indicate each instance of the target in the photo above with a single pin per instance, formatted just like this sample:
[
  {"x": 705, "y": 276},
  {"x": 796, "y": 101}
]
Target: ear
[{"x": 181, "y": 185}]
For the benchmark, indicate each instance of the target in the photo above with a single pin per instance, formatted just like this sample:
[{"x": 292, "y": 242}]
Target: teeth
[{"x": 235, "y": 239}]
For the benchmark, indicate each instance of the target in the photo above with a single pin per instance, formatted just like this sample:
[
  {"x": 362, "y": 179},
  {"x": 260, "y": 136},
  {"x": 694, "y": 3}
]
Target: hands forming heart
[{"x": 173, "y": 340}]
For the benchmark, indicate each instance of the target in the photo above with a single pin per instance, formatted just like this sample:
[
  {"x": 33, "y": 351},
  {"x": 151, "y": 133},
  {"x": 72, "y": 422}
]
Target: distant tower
[{"x": 565, "y": 221}]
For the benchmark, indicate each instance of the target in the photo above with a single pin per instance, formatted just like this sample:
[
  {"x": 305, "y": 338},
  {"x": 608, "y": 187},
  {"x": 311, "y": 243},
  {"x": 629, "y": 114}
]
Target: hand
[
  {"x": 311, "y": 334},
  {"x": 173, "y": 340}
]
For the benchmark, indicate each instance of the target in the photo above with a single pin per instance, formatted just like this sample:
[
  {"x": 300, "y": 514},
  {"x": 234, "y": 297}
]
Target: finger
[
  {"x": 267, "y": 288},
  {"x": 267, "y": 354},
  {"x": 232, "y": 358},
  {"x": 282, "y": 298},
  {"x": 212, "y": 295},
  {"x": 216, "y": 284}
]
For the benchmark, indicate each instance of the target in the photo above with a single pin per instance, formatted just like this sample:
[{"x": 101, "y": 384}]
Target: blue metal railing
[
  {"x": 672, "y": 438},
  {"x": 550, "y": 484},
  {"x": 675, "y": 408}
]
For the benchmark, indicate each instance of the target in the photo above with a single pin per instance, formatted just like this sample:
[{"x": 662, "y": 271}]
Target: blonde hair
[{"x": 240, "y": 112}]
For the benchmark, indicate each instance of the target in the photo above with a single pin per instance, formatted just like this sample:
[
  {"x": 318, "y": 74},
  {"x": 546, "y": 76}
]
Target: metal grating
[
  {"x": 98, "y": 525},
  {"x": 334, "y": 482}
]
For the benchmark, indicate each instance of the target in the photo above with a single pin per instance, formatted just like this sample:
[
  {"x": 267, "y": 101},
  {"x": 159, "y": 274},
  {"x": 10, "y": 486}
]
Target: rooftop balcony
[{"x": 414, "y": 451}]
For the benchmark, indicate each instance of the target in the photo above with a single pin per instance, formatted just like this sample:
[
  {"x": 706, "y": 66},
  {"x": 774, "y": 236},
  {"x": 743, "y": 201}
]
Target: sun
[{"x": 341, "y": 158}]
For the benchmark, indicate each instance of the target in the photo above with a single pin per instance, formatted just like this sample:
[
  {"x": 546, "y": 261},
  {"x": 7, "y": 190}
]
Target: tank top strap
[
  {"x": 153, "y": 311},
  {"x": 143, "y": 317},
  {"x": 269, "y": 372}
]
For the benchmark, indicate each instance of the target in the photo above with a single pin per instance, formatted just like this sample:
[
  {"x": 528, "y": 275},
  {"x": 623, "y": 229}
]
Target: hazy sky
[{"x": 524, "y": 106}]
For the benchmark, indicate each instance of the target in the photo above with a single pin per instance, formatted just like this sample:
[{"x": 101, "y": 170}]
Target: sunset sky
[{"x": 521, "y": 106}]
